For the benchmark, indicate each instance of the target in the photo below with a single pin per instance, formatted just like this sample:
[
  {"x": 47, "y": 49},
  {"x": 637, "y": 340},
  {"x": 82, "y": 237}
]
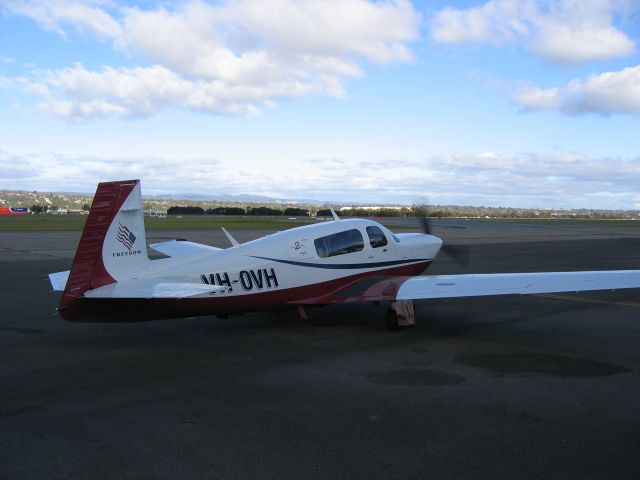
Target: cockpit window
[
  {"x": 339, "y": 243},
  {"x": 376, "y": 237}
]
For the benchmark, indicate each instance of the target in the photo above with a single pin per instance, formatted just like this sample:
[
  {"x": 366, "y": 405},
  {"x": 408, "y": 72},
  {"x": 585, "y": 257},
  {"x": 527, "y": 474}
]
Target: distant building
[
  {"x": 154, "y": 213},
  {"x": 14, "y": 211}
]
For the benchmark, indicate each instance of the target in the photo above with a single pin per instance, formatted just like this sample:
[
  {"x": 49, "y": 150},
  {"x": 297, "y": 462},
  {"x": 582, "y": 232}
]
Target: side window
[
  {"x": 339, "y": 243},
  {"x": 376, "y": 237}
]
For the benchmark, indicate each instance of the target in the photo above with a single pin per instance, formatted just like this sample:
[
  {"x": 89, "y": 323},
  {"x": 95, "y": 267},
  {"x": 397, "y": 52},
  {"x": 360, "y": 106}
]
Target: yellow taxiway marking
[{"x": 587, "y": 300}]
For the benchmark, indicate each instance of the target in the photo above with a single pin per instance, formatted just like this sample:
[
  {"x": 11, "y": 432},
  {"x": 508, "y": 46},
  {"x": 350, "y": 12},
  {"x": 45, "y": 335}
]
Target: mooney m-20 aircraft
[{"x": 356, "y": 260}]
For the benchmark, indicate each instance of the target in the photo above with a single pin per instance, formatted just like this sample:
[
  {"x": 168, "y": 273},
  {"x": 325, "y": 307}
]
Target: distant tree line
[
  {"x": 43, "y": 209},
  {"x": 302, "y": 212},
  {"x": 325, "y": 212},
  {"x": 264, "y": 211},
  {"x": 296, "y": 212},
  {"x": 377, "y": 212},
  {"x": 226, "y": 211},
  {"x": 185, "y": 211},
  {"x": 258, "y": 211},
  {"x": 39, "y": 209},
  {"x": 434, "y": 211}
]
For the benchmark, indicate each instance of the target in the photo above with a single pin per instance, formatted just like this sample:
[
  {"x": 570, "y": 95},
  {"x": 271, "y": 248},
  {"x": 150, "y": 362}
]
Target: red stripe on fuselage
[{"x": 140, "y": 309}]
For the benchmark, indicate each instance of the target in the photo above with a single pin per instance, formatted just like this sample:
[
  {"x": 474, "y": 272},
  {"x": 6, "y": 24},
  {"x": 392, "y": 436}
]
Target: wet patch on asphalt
[
  {"x": 19, "y": 330},
  {"x": 413, "y": 377},
  {"x": 515, "y": 363},
  {"x": 20, "y": 411}
]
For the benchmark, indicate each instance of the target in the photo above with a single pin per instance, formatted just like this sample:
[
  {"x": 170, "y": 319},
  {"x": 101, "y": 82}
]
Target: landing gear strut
[{"x": 399, "y": 314}]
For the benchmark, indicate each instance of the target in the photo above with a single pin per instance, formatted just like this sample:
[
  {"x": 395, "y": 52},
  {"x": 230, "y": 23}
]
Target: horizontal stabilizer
[
  {"x": 59, "y": 280},
  {"x": 182, "y": 248},
  {"x": 446, "y": 286},
  {"x": 142, "y": 289}
]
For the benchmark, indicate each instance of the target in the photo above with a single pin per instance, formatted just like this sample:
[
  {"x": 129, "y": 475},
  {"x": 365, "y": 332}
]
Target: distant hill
[
  {"x": 70, "y": 200},
  {"x": 19, "y": 198},
  {"x": 162, "y": 202},
  {"x": 241, "y": 197}
]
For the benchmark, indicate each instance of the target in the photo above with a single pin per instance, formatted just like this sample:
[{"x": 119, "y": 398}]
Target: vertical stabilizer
[
  {"x": 113, "y": 245},
  {"x": 124, "y": 249}
]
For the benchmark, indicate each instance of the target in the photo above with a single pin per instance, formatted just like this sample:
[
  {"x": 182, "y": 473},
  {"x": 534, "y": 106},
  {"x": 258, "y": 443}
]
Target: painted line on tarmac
[{"x": 587, "y": 300}]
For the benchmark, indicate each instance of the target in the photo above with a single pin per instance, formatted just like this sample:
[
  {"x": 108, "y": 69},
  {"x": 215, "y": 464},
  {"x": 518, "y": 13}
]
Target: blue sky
[{"x": 530, "y": 103}]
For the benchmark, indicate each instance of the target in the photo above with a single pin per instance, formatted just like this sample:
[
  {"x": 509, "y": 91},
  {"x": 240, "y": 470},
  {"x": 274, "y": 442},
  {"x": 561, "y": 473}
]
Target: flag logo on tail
[{"x": 125, "y": 236}]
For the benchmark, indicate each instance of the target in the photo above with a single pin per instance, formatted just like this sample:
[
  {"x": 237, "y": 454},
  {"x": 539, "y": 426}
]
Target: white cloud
[
  {"x": 6, "y": 82},
  {"x": 112, "y": 92},
  {"x": 55, "y": 15},
  {"x": 141, "y": 91},
  {"x": 233, "y": 57},
  {"x": 560, "y": 31},
  {"x": 42, "y": 170},
  {"x": 581, "y": 32},
  {"x": 532, "y": 98},
  {"x": 78, "y": 94},
  {"x": 373, "y": 30},
  {"x": 605, "y": 93},
  {"x": 565, "y": 179},
  {"x": 497, "y": 21}
]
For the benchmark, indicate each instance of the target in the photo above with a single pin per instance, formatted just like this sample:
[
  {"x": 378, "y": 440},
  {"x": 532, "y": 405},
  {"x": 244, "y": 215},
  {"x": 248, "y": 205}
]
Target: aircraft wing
[
  {"x": 472, "y": 285},
  {"x": 182, "y": 248},
  {"x": 151, "y": 289},
  {"x": 446, "y": 286}
]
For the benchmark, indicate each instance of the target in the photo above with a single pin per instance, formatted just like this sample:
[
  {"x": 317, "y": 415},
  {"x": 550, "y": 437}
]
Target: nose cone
[
  {"x": 420, "y": 245},
  {"x": 432, "y": 245}
]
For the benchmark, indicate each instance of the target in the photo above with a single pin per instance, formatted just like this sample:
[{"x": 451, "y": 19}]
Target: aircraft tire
[{"x": 391, "y": 320}]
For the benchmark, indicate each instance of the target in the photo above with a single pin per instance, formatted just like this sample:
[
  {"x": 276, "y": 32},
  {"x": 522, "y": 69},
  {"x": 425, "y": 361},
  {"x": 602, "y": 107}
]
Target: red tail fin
[{"x": 88, "y": 269}]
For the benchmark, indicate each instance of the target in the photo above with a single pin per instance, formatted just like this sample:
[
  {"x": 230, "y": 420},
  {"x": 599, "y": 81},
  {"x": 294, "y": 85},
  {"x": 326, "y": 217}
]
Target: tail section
[{"x": 113, "y": 245}]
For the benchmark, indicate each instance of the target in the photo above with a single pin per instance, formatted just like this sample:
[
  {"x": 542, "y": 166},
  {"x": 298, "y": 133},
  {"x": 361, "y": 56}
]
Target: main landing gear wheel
[
  {"x": 400, "y": 314},
  {"x": 391, "y": 319}
]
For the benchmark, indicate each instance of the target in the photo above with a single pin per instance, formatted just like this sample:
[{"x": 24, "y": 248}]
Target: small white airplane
[{"x": 112, "y": 278}]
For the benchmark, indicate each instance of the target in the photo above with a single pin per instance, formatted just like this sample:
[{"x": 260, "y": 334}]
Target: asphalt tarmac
[{"x": 502, "y": 387}]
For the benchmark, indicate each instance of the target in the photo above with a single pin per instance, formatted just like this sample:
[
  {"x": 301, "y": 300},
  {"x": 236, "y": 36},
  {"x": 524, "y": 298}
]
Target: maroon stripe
[{"x": 383, "y": 286}]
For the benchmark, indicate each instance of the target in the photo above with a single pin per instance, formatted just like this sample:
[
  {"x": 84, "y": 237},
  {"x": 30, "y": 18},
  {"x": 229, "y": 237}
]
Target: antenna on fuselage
[
  {"x": 335, "y": 215},
  {"x": 234, "y": 242}
]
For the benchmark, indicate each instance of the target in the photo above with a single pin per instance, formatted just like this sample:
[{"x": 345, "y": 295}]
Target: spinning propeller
[{"x": 458, "y": 253}]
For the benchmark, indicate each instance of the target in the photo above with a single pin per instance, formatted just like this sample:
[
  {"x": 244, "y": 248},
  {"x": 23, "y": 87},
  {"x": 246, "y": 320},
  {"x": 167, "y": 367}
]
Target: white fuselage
[{"x": 292, "y": 258}]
